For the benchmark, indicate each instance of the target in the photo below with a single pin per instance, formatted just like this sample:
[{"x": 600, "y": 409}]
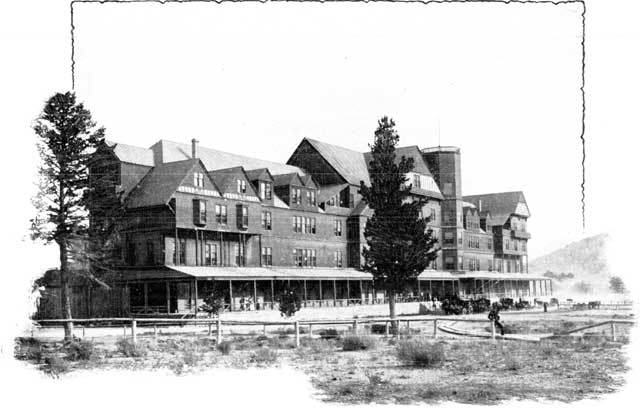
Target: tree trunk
[
  {"x": 392, "y": 304},
  {"x": 65, "y": 293}
]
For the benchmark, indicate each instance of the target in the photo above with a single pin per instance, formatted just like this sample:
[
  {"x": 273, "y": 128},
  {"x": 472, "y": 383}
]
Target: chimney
[{"x": 194, "y": 148}]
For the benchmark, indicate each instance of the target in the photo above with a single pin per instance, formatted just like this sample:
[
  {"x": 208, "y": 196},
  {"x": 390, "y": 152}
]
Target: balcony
[{"x": 520, "y": 234}]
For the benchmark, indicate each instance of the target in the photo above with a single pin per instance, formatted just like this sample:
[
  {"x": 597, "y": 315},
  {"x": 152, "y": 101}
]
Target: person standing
[{"x": 494, "y": 316}]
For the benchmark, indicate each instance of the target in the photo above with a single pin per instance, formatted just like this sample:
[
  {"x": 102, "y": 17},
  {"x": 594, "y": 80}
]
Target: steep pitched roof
[
  {"x": 419, "y": 165},
  {"x": 132, "y": 154},
  {"x": 259, "y": 174},
  {"x": 287, "y": 179},
  {"x": 216, "y": 159},
  {"x": 500, "y": 205},
  {"x": 158, "y": 186},
  {"x": 226, "y": 178},
  {"x": 348, "y": 163}
]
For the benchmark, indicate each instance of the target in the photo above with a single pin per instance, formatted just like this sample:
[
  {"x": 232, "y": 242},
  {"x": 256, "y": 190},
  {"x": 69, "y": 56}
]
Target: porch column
[
  {"x": 320, "y": 291},
  {"x": 304, "y": 286},
  {"x": 168, "y": 293},
  {"x": 255, "y": 295},
  {"x": 231, "y": 303},
  {"x": 335, "y": 297},
  {"x": 550, "y": 287},
  {"x": 430, "y": 289},
  {"x": 146, "y": 297},
  {"x": 362, "y": 296},
  {"x": 419, "y": 290},
  {"x": 195, "y": 296},
  {"x": 348, "y": 292},
  {"x": 273, "y": 292},
  {"x": 444, "y": 289}
]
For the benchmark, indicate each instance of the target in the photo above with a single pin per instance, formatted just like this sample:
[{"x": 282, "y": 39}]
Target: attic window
[
  {"x": 265, "y": 190},
  {"x": 242, "y": 186},
  {"x": 198, "y": 180}
]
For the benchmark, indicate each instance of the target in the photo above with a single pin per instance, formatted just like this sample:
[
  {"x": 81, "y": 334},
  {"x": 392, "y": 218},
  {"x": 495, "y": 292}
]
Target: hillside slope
[{"x": 585, "y": 259}]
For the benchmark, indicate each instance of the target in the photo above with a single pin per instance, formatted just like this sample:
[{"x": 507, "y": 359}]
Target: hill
[{"x": 579, "y": 267}]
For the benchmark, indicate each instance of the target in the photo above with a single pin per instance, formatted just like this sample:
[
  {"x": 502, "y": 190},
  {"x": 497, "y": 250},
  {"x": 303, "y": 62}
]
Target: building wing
[{"x": 500, "y": 205}]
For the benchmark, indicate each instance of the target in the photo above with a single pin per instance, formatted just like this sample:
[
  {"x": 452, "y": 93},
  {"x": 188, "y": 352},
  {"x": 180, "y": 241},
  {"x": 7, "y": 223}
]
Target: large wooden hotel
[{"x": 198, "y": 219}]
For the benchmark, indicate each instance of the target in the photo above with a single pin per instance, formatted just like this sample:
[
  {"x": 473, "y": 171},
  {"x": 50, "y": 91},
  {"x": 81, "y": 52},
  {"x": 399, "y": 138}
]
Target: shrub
[
  {"x": 421, "y": 353},
  {"x": 28, "y": 349},
  {"x": 192, "y": 357},
  {"x": 329, "y": 333},
  {"x": 54, "y": 366},
  {"x": 79, "y": 350},
  {"x": 129, "y": 349},
  {"x": 378, "y": 328},
  {"x": 356, "y": 342},
  {"x": 225, "y": 347},
  {"x": 264, "y": 357}
]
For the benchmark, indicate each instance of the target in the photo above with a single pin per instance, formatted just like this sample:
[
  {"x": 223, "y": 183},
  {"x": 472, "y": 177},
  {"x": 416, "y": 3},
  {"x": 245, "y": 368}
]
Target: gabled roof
[
  {"x": 500, "y": 205},
  {"x": 216, "y": 159},
  {"x": 287, "y": 180},
  {"x": 349, "y": 164},
  {"x": 131, "y": 154},
  {"x": 158, "y": 186},
  {"x": 419, "y": 165},
  {"x": 226, "y": 178},
  {"x": 327, "y": 192},
  {"x": 308, "y": 181},
  {"x": 259, "y": 174}
]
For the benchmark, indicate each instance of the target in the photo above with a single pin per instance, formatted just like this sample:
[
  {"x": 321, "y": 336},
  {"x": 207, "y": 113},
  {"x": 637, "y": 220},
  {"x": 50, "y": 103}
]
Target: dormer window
[
  {"x": 416, "y": 180},
  {"x": 296, "y": 195},
  {"x": 311, "y": 197},
  {"x": 242, "y": 186},
  {"x": 266, "y": 190},
  {"x": 198, "y": 180}
]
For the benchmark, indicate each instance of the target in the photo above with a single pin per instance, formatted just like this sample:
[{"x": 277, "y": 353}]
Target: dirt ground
[{"x": 472, "y": 370}]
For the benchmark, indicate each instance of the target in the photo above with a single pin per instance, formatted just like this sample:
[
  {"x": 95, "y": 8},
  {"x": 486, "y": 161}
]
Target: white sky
[
  {"x": 503, "y": 80},
  {"x": 503, "y": 83}
]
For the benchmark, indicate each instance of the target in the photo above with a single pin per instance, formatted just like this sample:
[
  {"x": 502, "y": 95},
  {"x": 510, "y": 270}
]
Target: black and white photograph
[{"x": 319, "y": 204}]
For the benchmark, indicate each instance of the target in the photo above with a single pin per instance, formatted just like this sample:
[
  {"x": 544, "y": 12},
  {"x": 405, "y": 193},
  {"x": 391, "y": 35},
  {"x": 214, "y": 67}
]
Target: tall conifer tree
[{"x": 399, "y": 245}]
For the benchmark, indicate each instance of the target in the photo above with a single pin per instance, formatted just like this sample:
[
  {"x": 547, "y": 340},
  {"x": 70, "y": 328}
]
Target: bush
[
  {"x": 192, "y": 357},
  {"x": 421, "y": 353},
  {"x": 28, "y": 349},
  {"x": 54, "y": 366},
  {"x": 129, "y": 349},
  {"x": 329, "y": 333},
  {"x": 378, "y": 328},
  {"x": 356, "y": 342},
  {"x": 264, "y": 357},
  {"x": 79, "y": 350},
  {"x": 225, "y": 347}
]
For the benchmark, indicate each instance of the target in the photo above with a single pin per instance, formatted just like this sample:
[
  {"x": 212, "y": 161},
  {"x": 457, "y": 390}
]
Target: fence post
[
  {"x": 493, "y": 330},
  {"x": 310, "y": 333},
  {"x": 133, "y": 331},
  {"x": 386, "y": 328},
  {"x": 397, "y": 329},
  {"x": 155, "y": 331},
  {"x": 84, "y": 334},
  {"x": 613, "y": 331},
  {"x": 124, "y": 330},
  {"x": 296, "y": 325},
  {"x": 209, "y": 330},
  {"x": 264, "y": 329},
  {"x": 435, "y": 328},
  {"x": 218, "y": 331},
  {"x": 355, "y": 326}
]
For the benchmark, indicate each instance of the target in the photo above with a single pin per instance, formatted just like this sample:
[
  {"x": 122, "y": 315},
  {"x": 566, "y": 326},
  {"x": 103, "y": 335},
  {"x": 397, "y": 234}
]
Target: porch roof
[
  {"x": 479, "y": 275},
  {"x": 248, "y": 273}
]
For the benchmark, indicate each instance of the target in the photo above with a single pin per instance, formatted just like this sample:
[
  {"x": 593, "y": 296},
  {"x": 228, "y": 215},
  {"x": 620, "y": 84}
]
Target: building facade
[{"x": 198, "y": 219}]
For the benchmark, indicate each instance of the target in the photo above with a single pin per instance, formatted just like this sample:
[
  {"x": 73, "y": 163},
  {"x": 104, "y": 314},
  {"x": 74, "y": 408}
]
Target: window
[
  {"x": 489, "y": 265},
  {"x": 267, "y": 258},
  {"x": 242, "y": 186},
  {"x": 131, "y": 253},
  {"x": 304, "y": 257},
  {"x": 448, "y": 238},
  {"x": 265, "y": 190},
  {"x": 337, "y": 228},
  {"x": 507, "y": 245},
  {"x": 448, "y": 189},
  {"x": 515, "y": 245},
  {"x": 449, "y": 263},
  {"x": 221, "y": 214},
  {"x": 416, "y": 181},
  {"x": 313, "y": 197},
  {"x": 296, "y": 195},
  {"x": 199, "y": 212},
  {"x": 297, "y": 224},
  {"x": 243, "y": 216},
  {"x": 198, "y": 180},
  {"x": 524, "y": 246},
  {"x": 211, "y": 254},
  {"x": 313, "y": 225},
  {"x": 183, "y": 251},
  {"x": 337, "y": 257},
  {"x": 150, "y": 255},
  {"x": 309, "y": 225},
  {"x": 489, "y": 243},
  {"x": 459, "y": 238},
  {"x": 266, "y": 220},
  {"x": 240, "y": 253},
  {"x": 449, "y": 218}
]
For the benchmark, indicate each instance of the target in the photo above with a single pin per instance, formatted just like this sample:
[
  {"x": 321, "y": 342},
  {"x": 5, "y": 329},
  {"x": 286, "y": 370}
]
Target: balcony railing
[{"x": 520, "y": 234}]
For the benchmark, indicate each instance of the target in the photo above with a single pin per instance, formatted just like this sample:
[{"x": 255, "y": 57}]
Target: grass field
[{"x": 365, "y": 368}]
